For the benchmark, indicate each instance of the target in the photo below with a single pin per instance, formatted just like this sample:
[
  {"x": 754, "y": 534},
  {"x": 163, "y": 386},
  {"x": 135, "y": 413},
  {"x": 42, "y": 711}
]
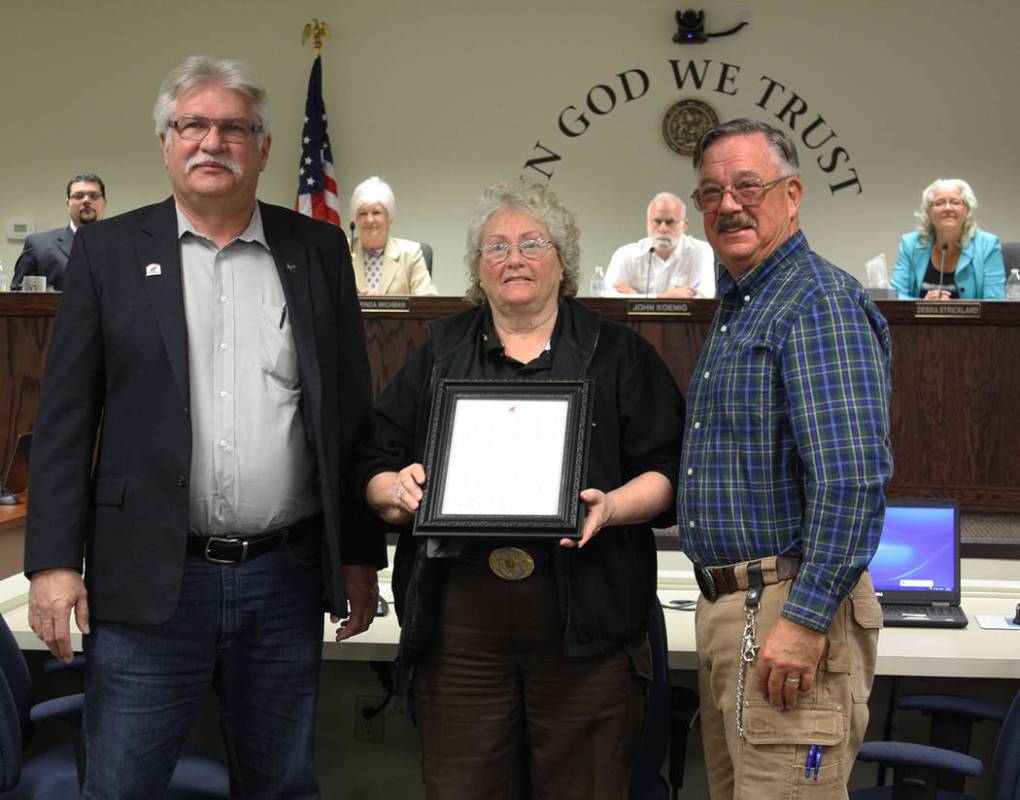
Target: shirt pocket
[{"x": 277, "y": 355}]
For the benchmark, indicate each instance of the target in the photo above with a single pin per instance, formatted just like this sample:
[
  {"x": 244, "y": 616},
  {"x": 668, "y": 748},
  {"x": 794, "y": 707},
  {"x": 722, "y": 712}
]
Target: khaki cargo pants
[{"x": 769, "y": 763}]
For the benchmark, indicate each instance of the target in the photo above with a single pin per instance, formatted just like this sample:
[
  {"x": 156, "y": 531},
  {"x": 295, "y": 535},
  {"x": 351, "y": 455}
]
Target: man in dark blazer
[
  {"x": 219, "y": 343},
  {"x": 46, "y": 253}
]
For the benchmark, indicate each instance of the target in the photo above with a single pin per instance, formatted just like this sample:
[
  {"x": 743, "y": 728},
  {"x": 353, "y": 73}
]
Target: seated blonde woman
[
  {"x": 384, "y": 264},
  {"x": 948, "y": 257}
]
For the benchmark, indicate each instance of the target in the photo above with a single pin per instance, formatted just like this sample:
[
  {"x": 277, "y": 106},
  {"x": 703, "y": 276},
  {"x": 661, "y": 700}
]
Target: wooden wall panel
[{"x": 956, "y": 383}]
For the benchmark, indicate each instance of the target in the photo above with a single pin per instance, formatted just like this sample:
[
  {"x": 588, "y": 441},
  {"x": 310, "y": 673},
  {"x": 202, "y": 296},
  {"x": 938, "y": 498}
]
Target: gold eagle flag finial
[{"x": 316, "y": 31}]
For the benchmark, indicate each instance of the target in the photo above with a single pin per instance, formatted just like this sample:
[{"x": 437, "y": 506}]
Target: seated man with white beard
[{"x": 668, "y": 262}]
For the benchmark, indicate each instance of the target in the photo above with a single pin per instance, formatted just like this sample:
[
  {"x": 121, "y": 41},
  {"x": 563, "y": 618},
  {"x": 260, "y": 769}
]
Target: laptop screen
[{"x": 917, "y": 560}]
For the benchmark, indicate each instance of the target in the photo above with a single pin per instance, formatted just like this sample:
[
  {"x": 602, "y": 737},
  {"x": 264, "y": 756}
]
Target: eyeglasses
[
  {"x": 79, "y": 196},
  {"x": 669, "y": 222},
  {"x": 749, "y": 192},
  {"x": 195, "y": 129},
  {"x": 952, "y": 202},
  {"x": 531, "y": 249}
]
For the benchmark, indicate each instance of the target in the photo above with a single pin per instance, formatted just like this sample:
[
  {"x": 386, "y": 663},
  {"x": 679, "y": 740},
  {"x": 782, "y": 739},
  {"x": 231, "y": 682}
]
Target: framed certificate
[{"x": 506, "y": 458}]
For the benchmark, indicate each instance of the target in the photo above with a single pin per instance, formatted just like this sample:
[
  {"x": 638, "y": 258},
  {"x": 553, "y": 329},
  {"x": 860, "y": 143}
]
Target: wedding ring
[
  {"x": 792, "y": 679},
  {"x": 398, "y": 491}
]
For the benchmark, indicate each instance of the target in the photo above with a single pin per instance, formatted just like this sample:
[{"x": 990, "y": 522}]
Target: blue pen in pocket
[{"x": 813, "y": 762}]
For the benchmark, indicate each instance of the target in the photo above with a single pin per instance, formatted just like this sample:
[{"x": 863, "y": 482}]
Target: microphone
[
  {"x": 352, "y": 230},
  {"x": 648, "y": 271},
  {"x": 942, "y": 265}
]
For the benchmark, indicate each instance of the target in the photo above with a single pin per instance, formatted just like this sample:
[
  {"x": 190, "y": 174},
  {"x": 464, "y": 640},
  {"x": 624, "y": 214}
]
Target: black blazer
[
  {"x": 45, "y": 254},
  {"x": 119, "y": 355}
]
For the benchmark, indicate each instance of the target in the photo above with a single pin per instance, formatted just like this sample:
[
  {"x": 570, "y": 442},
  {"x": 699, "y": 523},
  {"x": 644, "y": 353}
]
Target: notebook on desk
[{"x": 916, "y": 570}]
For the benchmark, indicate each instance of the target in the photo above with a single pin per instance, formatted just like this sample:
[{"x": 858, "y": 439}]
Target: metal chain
[{"x": 748, "y": 654}]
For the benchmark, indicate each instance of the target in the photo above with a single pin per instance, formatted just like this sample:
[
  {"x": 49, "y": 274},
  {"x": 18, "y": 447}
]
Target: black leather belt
[
  {"x": 716, "y": 581},
  {"x": 236, "y": 549}
]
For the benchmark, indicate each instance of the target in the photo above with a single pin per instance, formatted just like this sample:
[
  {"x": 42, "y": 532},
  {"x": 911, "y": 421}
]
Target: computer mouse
[{"x": 1016, "y": 619}]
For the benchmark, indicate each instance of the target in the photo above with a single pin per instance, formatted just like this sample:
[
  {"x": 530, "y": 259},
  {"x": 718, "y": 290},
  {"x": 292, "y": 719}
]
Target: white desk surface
[{"x": 968, "y": 653}]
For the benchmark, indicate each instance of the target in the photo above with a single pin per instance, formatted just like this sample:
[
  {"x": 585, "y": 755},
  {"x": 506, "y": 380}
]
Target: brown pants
[
  {"x": 769, "y": 763},
  {"x": 505, "y": 715}
]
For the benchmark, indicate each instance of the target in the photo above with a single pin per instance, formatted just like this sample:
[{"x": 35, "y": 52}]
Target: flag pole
[{"x": 317, "y": 193}]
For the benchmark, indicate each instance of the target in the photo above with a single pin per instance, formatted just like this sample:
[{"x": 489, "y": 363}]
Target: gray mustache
[
  {"x": 200, "y": 159},
  {"x": 733, "y": 222}
]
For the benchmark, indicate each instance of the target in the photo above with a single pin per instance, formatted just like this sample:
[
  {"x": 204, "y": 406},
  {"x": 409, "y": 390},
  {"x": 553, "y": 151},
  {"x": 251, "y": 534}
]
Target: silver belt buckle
[
  {"x": 511, "y": 563},
  {"x": 210, "y": 558}
]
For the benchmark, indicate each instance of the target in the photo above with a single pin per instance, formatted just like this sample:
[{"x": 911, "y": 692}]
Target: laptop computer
[
  {"x": 15, "y": 478},
  {"x": 916, "y": 570}
]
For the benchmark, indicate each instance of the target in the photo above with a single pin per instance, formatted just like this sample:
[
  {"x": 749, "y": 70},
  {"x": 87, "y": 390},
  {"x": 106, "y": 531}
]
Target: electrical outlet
[{"x": 368, "y": 729}]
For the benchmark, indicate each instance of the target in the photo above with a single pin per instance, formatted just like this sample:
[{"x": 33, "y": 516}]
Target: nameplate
[
  {"x": 934, "y": 309},
  {"x": 646, "y": 308},
  {"x": 378, "y": 304}
]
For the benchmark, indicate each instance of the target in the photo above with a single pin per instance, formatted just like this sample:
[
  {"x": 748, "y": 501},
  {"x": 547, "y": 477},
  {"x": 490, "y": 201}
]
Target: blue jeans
[{"x": 255, "y": 632}]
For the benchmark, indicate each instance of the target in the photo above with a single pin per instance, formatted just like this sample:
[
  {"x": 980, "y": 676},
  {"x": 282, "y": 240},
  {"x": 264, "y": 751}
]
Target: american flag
[{"x": 316, "y": 195}]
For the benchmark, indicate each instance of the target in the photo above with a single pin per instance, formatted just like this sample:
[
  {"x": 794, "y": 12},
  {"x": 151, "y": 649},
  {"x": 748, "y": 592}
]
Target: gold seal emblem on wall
[{"x": 685, "y": 122}]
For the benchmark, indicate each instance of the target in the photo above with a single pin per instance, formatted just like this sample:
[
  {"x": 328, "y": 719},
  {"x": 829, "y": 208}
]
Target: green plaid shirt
[{"x": 786, "y": 444}]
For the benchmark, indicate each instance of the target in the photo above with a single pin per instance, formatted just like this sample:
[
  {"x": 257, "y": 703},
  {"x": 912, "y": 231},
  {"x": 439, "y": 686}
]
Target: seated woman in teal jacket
[{"x": 947, "y": 257}]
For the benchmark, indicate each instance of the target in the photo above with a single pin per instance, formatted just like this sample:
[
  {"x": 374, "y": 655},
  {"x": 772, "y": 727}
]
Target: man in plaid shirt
[{"x": 781, "y": 499}]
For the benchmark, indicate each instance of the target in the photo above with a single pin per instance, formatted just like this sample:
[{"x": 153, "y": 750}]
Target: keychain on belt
[{"x": 748, "y": 648}]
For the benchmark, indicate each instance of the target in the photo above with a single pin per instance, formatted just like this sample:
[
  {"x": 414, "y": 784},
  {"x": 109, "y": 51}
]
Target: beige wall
[{"x": 446, "y": 97}]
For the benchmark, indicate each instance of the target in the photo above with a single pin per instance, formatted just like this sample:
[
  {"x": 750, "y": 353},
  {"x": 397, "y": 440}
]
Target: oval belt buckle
[{"x": 511, "y": 563}]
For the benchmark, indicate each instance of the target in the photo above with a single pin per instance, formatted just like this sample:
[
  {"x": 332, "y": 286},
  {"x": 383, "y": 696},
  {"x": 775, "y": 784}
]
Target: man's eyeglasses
[
  {"x": 531, "y": 249},
  {"x": 79, "y": 196},
  {"x": 952, "y": 202},
  {"x": 748, "y": 192},
  {"x": 195, "y": 129}
]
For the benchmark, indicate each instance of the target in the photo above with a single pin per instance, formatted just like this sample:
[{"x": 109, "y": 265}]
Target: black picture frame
[{"x": 451, "y": 507}]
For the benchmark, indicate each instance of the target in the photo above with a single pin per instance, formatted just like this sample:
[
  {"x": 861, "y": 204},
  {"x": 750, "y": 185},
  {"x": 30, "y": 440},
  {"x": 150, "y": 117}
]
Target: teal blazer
[{"x": 980, "y": 272}]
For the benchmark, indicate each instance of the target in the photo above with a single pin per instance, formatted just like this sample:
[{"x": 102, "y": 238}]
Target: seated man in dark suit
[{"x": 46, "y": 253}]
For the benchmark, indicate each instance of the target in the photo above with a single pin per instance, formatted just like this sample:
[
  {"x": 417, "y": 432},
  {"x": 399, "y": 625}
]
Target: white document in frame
[{"x": 506, "y": 457}]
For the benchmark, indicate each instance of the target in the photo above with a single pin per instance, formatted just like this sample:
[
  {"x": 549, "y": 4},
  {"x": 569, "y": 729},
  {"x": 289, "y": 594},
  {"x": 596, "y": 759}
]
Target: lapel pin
[
  {"x": 153, "y": 269},
  {"x": 291, "y": 267}
]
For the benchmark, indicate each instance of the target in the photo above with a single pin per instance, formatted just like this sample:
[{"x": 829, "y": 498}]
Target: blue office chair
[
  {"x": 922, "y": 771},
  {"x": 53, "y": 775},
  {"x": 426, "y": 251},
  {"x": 670, "y": 711},
  {"x": 1011, "y": 256}
]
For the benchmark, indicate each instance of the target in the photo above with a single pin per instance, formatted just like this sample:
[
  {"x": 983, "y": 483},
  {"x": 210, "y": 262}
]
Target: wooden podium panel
[
  {"x": 956, "y": 405},
  {"x": 956, "y": 381},
  {"x": 26, "y": 321}
]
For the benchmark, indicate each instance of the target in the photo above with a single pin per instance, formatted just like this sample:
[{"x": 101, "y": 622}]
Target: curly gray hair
[
  {"x": 539, "y": 202},
  {"x": 924, "y": 225}
]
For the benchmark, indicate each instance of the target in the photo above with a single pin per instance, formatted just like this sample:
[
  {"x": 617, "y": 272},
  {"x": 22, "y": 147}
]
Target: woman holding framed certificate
[{"x": 530, "y": 648}]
